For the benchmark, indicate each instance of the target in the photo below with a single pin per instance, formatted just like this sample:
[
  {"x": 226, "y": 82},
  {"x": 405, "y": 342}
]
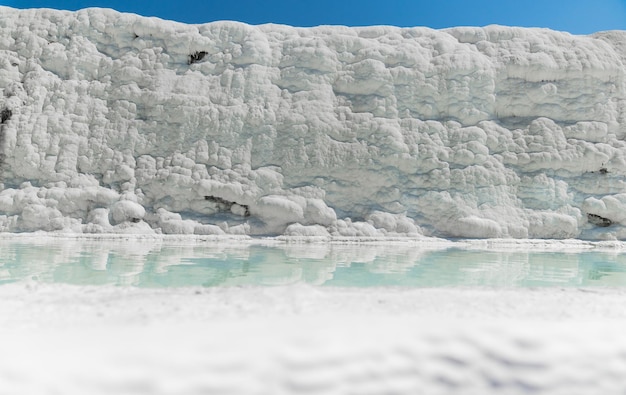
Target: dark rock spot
[
  {"x": 599, "y": 221},
  {"x": 602, "y": 171},
  {"x": 196, "y": 57},
  {"x": 135, "y": 220},
  {"x": 5, "y": 115}
]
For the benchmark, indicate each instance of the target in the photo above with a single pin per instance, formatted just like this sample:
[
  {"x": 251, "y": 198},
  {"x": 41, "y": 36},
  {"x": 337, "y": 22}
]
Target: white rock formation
[{"x": 118, "y": 123}]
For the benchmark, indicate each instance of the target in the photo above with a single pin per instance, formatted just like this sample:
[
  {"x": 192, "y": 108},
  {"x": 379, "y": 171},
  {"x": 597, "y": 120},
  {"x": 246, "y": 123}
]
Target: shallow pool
[{"x": 160, "y": 264}]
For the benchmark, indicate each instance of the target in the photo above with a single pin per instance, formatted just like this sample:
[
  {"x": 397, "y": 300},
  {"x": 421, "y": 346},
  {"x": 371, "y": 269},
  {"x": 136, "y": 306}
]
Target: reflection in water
[{"x": 162, "y": 264}]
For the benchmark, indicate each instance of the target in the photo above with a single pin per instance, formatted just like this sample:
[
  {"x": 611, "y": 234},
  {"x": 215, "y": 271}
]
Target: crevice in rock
[
  {"x": 5, "y": 115},
  {"x": 226, "y": 205},
  {"x": 599, "y": 221},
  {"x": 196, "y": 57}
]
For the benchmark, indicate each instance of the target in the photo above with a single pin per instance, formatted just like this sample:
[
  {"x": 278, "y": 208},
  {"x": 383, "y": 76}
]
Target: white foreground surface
[{"x": 296, "y": 340}]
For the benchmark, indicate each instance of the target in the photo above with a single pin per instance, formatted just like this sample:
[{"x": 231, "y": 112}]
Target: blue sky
[{"x": 575, "y": 16}]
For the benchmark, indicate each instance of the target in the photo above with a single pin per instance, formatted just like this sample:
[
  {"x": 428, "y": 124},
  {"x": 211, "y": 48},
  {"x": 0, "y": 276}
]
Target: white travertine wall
[{"x": 118, "y": 123}]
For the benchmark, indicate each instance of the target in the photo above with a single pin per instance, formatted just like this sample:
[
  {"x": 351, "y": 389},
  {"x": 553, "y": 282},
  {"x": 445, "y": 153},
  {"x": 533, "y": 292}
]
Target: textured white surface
[
  {"x": 324, "y": 132},
  {"x": 78, "y": 340},
  {"x": 327, "y": 131}
]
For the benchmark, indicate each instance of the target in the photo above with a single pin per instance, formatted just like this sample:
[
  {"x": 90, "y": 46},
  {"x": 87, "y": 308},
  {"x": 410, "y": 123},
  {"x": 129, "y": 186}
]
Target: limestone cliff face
[{"x": 118, "y": 123}]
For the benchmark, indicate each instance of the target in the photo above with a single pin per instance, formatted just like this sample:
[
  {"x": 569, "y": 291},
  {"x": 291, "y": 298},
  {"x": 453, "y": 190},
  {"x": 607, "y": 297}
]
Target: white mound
[{"x": 116, "y": 123}]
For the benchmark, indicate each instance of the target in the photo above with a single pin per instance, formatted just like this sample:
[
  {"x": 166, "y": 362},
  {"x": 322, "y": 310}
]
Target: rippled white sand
[{"x": 59, "y": 339}]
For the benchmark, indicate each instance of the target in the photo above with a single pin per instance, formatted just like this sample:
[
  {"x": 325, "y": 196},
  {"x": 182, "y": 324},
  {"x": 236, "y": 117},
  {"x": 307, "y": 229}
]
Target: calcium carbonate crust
[{"x": 116, "y": 123}]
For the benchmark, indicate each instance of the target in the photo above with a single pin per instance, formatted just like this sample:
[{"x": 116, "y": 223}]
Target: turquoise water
[{"x": 159, "y": 264}]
